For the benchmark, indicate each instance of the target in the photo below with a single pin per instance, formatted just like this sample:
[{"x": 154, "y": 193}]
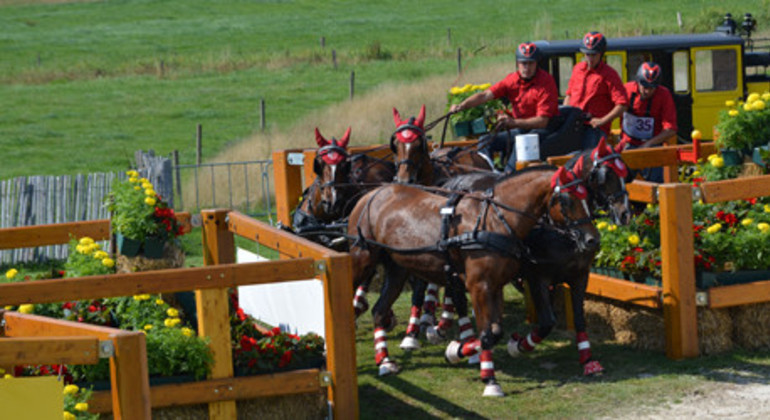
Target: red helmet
[
  {"x": 527, "y": 51},
  {"x": 594, "y": 43},
  {"x": 648, "y": 74}
]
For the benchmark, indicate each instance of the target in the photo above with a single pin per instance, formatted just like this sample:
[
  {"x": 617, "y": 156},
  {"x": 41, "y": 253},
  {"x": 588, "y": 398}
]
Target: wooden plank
[
  {"x": 645, "y": 158},
  {"x": 214, "y": 307},
  {"x": 129, "y": 377},
  {"x": 307, "y": 166},
  {"x": 624, "y": 291},
  {"x": 49, "y": 350},
  {"x": 211, "y": 390},
  {"x": 643, "y": 191},
  {"x": 26, "y": 325},
  {"x": 288, "y": 185},
  {"x": 678, "y": 270},
  {"x": 277, "y": 239},
  {"x": 341, "y": 336},
  {"x": 735, "y": 189},
  {"x": 29, "y": 236},
  {"x": 739, "y": 294},
  {"x": 171, "y": 280}
]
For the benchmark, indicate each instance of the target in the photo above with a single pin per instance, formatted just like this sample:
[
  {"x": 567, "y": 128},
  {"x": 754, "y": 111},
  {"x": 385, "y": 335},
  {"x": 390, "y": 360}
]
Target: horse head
[
  {"x": 410, "y": 146},
  {"x": 332, "y": 167},
  {"x": 568, "y": 210},
  {"x": 606, "y": 175}
]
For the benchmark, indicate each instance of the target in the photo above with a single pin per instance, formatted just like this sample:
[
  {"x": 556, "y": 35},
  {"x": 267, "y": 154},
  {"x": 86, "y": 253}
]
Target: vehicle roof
[{"x": 645, "y": 43}]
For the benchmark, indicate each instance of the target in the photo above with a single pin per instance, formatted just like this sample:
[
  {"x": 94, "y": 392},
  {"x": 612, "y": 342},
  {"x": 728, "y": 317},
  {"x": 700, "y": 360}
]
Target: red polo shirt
[
  {"x": 537, "y": 97},
  {"x": 596, "y": 91},
  {"x": 661, "y": 107}
]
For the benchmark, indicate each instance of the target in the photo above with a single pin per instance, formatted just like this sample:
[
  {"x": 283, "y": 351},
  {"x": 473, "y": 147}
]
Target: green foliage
[
  {"x": 172, "y": 351},
  {"x": 633, "y": 249},
  {"x": 76, "y": 403},
  {"x": 744, "y": 125},
  {"x": 487, "y": 110}
]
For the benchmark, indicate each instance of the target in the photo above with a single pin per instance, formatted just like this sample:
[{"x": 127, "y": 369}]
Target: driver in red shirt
[
  {"x": 596, "y": 88},
  {"x": 534, "y": 102},
  {"x": 651, "y": 116}
]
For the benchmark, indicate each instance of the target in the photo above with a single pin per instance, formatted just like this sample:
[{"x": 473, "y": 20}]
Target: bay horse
[
  {"x": 556, "y": 255},
  {"x": 479, "y": 236},
  {"x": 341, "y": 179}
]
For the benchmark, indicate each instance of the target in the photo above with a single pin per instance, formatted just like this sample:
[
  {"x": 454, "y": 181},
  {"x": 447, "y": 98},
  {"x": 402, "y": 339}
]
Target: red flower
[
  {"x": 285, "y": 359},
  {"x": 241, "y": 315},
  {"x": 92, "y": 308},
  {"x": 752, "y": 201},
  {"x": 638, "y": 249},
  {"x": 67, "y": 305},
  {"x": 246, "y": 343},
  {"x": 252, "y": 362},
  {"x": 649, "y": 222}
]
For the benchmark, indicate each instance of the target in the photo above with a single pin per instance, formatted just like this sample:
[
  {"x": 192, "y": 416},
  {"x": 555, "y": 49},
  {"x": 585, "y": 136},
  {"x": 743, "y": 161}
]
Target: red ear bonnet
[
  {"x": 603, "y": 150},
  {"x": 332, "y": 152},
  {"x": 320, "y": 139},
  {"x": 409, "y": 134},
  {"x": 564, "y": 177}
]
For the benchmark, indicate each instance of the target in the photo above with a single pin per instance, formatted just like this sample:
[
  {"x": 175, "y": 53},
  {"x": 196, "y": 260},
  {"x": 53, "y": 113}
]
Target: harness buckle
[{"x": 447, "y": 211}]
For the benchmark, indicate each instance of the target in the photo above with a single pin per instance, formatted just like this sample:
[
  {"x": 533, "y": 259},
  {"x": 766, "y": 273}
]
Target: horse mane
[{"x": 537, "y": 168}]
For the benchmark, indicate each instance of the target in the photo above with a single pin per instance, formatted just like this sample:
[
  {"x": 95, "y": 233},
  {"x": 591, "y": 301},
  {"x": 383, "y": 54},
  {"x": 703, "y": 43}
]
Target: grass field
[{"x": 86, "y": 83}]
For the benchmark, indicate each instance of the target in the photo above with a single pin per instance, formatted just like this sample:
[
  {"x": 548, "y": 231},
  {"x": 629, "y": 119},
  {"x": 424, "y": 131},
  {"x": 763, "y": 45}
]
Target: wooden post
[
  {"x": 671, "y": 172},
  {"x": 213, "y": 306},
  {"x": 678, "y": 269},
  {"x": 262, "y": 116},
  {"x": 449, "y": 36},
  {"x": 334, "y": 59},
  {"x": 323, "y": 42},
  {"x": 288, "y": 185},
  {"x": 129, "y": 376},
  {"x": 352, "y": 83},
  {"x": 340, "y": 345},
  {"x": 198, "y": 143},
  {"x": 307, "y": 167}
]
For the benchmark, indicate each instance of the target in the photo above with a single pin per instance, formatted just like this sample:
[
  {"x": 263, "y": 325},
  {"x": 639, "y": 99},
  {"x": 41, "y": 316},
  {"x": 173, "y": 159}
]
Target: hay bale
[
  {"x": 751, "y": 326},
  {"x": 750, "y": 169},
  {"x": 173, "y": 257},
  {"x": 715, "y": 327}
]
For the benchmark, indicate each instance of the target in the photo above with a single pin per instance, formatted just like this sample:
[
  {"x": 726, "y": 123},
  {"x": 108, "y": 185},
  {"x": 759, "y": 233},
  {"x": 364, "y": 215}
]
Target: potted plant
[
  {"x": 141, "y": 218},
  {"x": 742, "y": 127},
  {"x": 474, "y": 120}
]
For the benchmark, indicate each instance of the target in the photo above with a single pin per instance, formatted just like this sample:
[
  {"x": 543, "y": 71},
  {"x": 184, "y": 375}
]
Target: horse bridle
[
  {"x": 598, "y": 164},
  {"x": 421, "y": 136}
]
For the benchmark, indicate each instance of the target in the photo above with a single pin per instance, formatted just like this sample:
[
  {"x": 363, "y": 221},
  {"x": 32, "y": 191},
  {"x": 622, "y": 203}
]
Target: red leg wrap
[
  {"x": 487, "y": 365},
  {"x": 360, "y": 304},
  {"x": 447, "y": 317},
  {"x": 431, "y": 299},
  {"x": 584, "y": 347},
  {"x": 414, "y": 319},
  {"x": 466, "y": 329},
  {"x": 471, "y": 347},
  {"x": 380, "y": 345}
]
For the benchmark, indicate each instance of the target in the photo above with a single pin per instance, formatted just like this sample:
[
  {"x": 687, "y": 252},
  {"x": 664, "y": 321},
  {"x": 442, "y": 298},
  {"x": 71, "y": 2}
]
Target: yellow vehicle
[{"x": 701, "y": 70}]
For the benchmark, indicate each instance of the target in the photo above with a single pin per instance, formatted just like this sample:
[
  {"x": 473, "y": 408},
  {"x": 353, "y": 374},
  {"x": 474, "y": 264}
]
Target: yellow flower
[
  {"x": 81, "y": 406},
  {"x": 149, "y": 192},
  {"x": 455, "y": 90},
  {"x": 171, "y": 322},
  {"x": 7, "y": 376},
  {"x": 766, "y": 96},
  {"x": 730, "y": 103},
  {"x": 633, "y": 239},
  {"x": 136, "y": 187},
  {"x": 733, "y": 113},
  {"x": 650, "y": 207},
  {"x": 712, "y": 157},
  {"x": 601, "y": 225},
  {"x": 695, "y": 173},
  {"x": 187, "y": 332},
  {"x": 148, "y": 327},
  {"x": 763, "y": 227},
  {"x": 612, "y": 228},
  {"x": 696, "y": 134},
  {"x": 143, "y": 180},
  {"x": 100, "y": 255},
  {"x": 8, "y": 307},
  {"x": 172, "y": 312},
  {"x": 729, "y": 266},
  {"x": 149, "y": 201},
  {"x": 133, "y": 180},
  {"x": 71, "y": 389},
  {"x": 758, "y": 105},
  {"x": 747, "y": 221},
  {"x": 69, "y": 416},
  {"x": 716, "y": 227},
  {"x": 747, "y": 106},
  {"x": 753, "y": 97},
  {"x": 108, "y": 262},
  {"x": 485, "y": 86},
  {"x": 2, "y": 371},
  {"x": 718, "y": 162},
  {"x": 85, "y": 241},
  {"x": 11, "y": 273},
  {"x": 27, "y": 308},
  {"x": 132, "y": 173},
  {"x": 767, "y": 208},
  {"x": 141, "y": 297},
  {"x": 159, "y": 301}
]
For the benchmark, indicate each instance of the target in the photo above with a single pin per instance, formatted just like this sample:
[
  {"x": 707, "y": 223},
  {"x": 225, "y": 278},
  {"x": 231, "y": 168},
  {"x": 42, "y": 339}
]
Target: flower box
[
  {"x": 127, "y": 246},
  {"x": 756, "y": 155},
  {"x": 706, "y": 279},
  {"x": 462, "y": 128},
  {"x": 732, "y": 157},
  {"x": 153, "y": 247},
  {"x": 478, "y": 126}
]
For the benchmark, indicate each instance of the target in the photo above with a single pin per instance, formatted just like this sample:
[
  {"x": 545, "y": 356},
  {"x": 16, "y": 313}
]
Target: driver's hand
[
  {"x": 595, "y": 122},
  {"x": 505, "y": 121},
  {"x": 454, "y": 108}
]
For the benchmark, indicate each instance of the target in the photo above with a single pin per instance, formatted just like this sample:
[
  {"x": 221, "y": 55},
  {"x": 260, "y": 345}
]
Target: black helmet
[
  {"x": 648, "y": 74},
  {"x": 527, "y": 51},
  {"x": 594, "y": 42}
]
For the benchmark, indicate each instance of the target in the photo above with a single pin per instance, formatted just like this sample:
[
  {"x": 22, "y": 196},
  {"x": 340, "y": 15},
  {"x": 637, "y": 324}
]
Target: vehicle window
[
  {"x": 681, "y": 71},
  {"x": 715, "y": 70},
  {"x": 565, "y": 72},
  {"x": 634, "y": 61},
  {"x": 616, "y": 62}
]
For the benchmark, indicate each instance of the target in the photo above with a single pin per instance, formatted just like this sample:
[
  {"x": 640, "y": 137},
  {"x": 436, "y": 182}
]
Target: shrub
[{"x": 744, "y": 125}]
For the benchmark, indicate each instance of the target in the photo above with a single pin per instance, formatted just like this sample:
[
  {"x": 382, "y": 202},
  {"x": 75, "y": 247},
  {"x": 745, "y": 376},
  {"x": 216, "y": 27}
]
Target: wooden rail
[{"x": 132, "y": 401}]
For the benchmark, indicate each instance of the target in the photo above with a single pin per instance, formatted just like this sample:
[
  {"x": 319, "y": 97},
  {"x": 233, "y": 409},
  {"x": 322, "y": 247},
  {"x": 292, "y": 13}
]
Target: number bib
[{"x": 638, "y": 127}]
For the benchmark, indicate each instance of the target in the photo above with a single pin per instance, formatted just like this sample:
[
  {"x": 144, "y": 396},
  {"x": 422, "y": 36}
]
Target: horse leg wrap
[
  {"x": 487, "y": 366},
  {"x": 590, "y": 367},
  {"x": 447, "y": 317},
  {"x": 380, "y": 345},
  {"x": 466, "y": 329},
  {"x": 431, "y": 298},
  {"x": 360, "y": 304},
  {"x": 410, "y": 342},
  {"x": 518, "y": 344}
]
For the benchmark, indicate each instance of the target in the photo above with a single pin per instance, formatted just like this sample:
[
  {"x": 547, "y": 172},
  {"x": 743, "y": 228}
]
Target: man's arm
[
  {"x": 659, "y": 139},
  {"x": 616, "y": 112},
  {"x": 474, "y": 100},
  {"x": 525, "y": 123},
  {"x": 565, "y": 102}
]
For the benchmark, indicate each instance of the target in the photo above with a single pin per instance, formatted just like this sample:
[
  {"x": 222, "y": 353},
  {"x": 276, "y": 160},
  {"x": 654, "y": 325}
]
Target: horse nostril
[{"x": 592, "y": 242}]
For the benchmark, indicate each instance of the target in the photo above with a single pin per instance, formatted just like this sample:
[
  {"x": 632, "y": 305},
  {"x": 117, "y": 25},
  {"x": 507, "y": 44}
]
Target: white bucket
[{"x": 527, "y": 147}]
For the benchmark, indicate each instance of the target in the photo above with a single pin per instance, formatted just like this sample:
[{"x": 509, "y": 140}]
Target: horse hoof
[
  {"x": 452, "y": 351},
  {"x": 409, "y": 343},
  {"x": 513, "y": 348},
  {"x": 475, "y": 359},
  {"x": 592, "y": 368},
  {"x": 493, "y": 390},
  {"x": 434, "y": 335},
  {"x": 388, "y": 368}
]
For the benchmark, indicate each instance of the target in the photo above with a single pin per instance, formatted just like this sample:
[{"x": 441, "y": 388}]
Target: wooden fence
[{"x": 131, "y": 395}]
